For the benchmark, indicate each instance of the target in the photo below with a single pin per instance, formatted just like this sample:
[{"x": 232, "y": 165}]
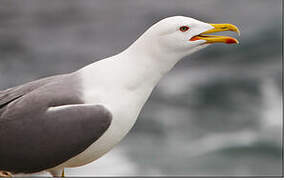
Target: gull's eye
[{"x": 184, "y": 28}]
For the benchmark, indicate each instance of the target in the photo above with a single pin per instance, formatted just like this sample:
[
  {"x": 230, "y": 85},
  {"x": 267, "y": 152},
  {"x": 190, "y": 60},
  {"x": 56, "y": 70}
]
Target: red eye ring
[{"x": 184, "y": 28}]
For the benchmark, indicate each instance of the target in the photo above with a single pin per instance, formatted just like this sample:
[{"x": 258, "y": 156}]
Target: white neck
[
  {"x": 138, "y": 68},
  {"x": 145, "y": 69}
]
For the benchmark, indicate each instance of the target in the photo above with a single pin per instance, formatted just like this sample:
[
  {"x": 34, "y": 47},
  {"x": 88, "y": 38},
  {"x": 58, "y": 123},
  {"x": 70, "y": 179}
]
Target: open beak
[{"x": 218, "y": 39}]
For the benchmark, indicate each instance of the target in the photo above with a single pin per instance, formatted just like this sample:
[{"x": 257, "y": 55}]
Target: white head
[{"x": 179, "y": 36}]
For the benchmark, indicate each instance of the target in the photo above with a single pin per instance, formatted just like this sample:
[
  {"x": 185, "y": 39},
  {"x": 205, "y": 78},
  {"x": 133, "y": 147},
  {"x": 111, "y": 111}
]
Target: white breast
[
  {"x": 121, "y": 124},
  {"x": 123, "y": 102},
  {"x": 122, "y": 84}
]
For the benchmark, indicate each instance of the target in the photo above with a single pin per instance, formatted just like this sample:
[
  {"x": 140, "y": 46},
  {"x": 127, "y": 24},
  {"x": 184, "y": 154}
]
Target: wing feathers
[{"x": 45, "y": 123}]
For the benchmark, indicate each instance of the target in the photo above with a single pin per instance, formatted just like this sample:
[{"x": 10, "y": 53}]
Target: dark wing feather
[
  {"x": 34, "y": 138},
  {"x": 14, "y": 93}
]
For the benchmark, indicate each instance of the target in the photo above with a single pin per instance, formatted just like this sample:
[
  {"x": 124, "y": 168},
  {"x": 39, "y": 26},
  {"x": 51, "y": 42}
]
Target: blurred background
[{"x": 217, "y": 113}]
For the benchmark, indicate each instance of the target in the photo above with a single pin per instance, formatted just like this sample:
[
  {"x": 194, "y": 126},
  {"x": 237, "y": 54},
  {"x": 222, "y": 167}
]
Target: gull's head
[{"x": 181, "y": 35}]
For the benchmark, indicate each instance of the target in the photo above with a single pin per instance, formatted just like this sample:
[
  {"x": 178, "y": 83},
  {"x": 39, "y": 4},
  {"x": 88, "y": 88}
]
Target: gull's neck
[
  {"x": 140, "y": 66},
  {"x": 148, "y": 67}
]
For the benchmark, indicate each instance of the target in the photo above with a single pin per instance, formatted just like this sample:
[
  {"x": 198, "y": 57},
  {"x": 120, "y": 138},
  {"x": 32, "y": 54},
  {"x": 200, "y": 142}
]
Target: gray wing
[
  {"x": 34, "y": 138},
  {"x": 12, "y": 94}
]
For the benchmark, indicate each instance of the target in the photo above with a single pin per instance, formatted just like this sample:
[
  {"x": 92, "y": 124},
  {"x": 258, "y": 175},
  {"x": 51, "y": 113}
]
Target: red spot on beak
[{"x": 230, "y": 41}]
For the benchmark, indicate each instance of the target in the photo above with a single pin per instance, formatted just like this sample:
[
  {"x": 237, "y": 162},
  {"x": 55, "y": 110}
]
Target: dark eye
[{"x": 184, "y": 28}]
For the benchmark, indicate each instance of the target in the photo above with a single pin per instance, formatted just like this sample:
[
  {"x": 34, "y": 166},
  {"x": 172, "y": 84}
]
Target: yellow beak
[{"x": 218, "y": 39}]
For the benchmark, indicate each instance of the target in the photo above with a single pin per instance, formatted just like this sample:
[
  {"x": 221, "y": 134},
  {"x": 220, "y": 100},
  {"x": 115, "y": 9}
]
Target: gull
[{"x": 70, "y": 120}]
